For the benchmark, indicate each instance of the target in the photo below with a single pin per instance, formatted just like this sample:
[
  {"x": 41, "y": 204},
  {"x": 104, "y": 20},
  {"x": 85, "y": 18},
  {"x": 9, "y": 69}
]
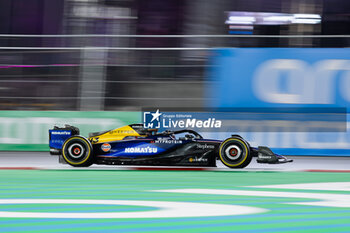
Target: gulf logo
[{"x": 106, "y": 147}]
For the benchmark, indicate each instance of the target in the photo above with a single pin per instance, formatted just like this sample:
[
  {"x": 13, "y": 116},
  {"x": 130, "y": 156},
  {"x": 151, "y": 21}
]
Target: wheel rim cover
[
  {"x": 76, "y": 150},
  {"x": 233, "y": 152}
]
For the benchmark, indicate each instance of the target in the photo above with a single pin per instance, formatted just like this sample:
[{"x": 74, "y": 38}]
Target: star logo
[
  {"x": 156, "y": 115},
  {"x": 151, "y": 120}
]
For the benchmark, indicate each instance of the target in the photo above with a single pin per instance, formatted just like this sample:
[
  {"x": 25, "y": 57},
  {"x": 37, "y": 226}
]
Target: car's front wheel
[
  {"x": 234, "y": 152},
  {"x": 77, "y": 151}
]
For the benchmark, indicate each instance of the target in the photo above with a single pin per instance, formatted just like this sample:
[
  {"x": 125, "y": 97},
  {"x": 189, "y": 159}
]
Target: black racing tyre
[
  {"x": 77, "y": 152},
  {"x": 234, "y": 152}
]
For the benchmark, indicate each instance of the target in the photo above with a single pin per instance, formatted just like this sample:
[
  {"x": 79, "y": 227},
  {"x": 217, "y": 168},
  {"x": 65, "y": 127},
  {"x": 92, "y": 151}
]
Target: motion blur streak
[{"x": 165, "y": 41}]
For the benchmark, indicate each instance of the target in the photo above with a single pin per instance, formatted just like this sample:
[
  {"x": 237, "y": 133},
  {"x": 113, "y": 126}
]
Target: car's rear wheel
[
  {"x": 77, "y": 151},
  {"x": 234, "y": 152}
]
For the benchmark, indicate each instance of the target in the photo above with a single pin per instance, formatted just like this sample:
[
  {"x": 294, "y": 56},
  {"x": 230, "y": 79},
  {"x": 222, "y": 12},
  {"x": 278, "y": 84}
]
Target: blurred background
[
  {"x": 107, "y": 59},
  {"x": 125, "y": 54}
]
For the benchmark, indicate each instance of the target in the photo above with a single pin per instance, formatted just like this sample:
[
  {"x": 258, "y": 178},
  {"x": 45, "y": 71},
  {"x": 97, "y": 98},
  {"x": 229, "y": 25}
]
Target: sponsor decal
[
  {"x": 57, "y": 141},
  {"x": 167, "y": 141},
  {"x": 195, "y": 159},
  {"x": 106, "y": 147},
  {"x": 264, "y": 156},
  {"x": 205, "y": 146},
  {"x": 61, "y": 132},
  {"x": 147, "y": 149},
  {"x": 122, "y": 132}
]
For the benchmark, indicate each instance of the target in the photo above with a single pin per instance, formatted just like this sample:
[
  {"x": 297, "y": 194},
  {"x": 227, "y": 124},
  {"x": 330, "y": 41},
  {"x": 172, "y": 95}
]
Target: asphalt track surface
[
  {"x": 43, "y": 160},
  {"x": 259, "y": 198}
]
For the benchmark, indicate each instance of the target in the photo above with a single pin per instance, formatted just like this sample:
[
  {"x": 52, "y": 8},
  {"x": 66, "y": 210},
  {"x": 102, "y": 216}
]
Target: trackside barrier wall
[
  {"x": 285, "y": 78},
  {"x": 28, "y": 130}
]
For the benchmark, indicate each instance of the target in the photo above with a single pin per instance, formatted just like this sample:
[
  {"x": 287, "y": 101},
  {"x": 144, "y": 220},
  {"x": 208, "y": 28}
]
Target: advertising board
[{"x": 285, "y": 78}]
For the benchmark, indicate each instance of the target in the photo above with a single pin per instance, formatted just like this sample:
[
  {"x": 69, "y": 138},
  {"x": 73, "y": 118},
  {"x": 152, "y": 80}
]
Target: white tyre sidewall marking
[{"x": 167, "y": 209}]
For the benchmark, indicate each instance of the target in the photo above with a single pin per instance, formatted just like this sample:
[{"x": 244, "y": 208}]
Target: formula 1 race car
[{"x": 136, "y": 145}]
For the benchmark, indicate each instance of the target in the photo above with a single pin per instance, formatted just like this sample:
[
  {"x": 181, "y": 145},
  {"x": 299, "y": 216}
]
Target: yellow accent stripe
[
  {"x": 244, "y": 159},
  {"x": 75, "y": 163}
]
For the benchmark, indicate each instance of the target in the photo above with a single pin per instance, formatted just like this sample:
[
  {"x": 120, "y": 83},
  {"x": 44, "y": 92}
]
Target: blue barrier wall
[{"x": 285, "y": 77}]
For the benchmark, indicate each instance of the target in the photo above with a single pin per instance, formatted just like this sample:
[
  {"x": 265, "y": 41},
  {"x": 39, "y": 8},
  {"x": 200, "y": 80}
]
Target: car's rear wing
[{"x": 58, "y": 135}]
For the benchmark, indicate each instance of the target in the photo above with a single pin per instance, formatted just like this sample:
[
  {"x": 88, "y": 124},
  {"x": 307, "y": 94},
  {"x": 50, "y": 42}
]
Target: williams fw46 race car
[{"x": 136, "y": 145}]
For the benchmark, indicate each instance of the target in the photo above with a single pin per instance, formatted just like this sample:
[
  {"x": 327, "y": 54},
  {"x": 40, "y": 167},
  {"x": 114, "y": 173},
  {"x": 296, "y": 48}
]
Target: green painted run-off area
[{"x": 136, "y": 185}]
